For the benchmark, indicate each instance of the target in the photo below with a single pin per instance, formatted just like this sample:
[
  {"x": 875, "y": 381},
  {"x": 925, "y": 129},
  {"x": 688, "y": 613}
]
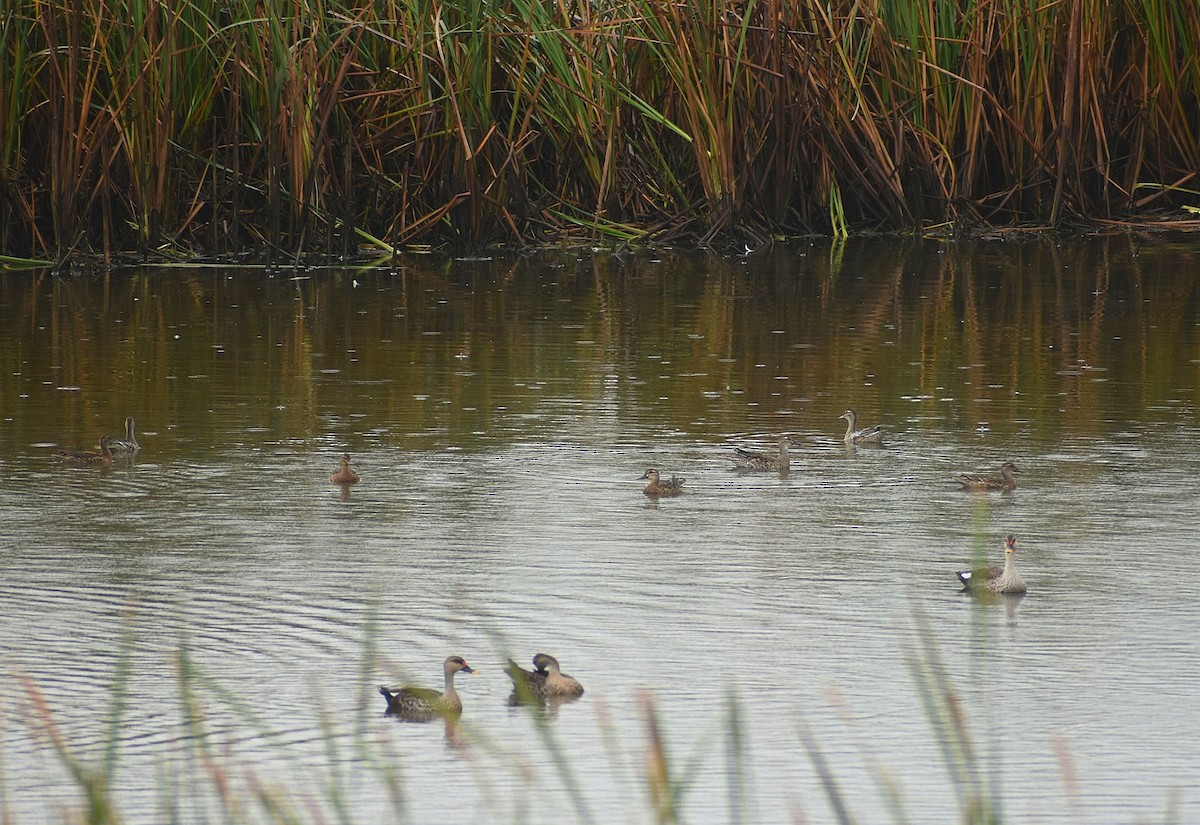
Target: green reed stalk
[
  {"x": 16, "y": 93},
  {"x": 296, "y": 127},
  {"x": 978, "y": 805}
]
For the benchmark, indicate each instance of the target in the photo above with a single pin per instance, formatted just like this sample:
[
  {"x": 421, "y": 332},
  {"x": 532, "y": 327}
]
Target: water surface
[{"x": 500, "y": 411}]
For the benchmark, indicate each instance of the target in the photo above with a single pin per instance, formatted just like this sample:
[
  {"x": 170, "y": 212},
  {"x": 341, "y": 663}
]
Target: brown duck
[
  {"x": 985, "y": 483},
  {"x": 84, "y": 458},
  {"x": 657, "y": 487},
  {"x": 343, "y": 474},
  {"x": 417, "y": 704}
]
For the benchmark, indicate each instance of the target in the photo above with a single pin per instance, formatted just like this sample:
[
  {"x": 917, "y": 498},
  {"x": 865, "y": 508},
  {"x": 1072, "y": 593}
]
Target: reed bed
[{"x": 283, "y": 128}]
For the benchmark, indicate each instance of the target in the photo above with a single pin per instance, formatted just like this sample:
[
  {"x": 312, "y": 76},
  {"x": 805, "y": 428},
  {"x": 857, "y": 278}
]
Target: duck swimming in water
[
  {"x": 545, "y": 681},
  {"x": 343, "y": 474},
  {"x": 85, "y": 458},
  {"x": 995, "y": 579},
  {"x": 752, "y": 461},
  {"x": 985, "y": 483},
  {"x": 657, "y": 487},
  {"x": 129, "y": 443},
  {"x": 867, "y": 435},
  {"x": 417, "y": 704}
]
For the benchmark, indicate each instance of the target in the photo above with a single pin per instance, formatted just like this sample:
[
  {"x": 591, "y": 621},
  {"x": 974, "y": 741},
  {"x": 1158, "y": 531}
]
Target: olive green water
[{"x": 500, "y": 411}]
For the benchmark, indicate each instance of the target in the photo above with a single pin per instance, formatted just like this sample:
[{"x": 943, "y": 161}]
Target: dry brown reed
[{"x": 293, "y": 127}]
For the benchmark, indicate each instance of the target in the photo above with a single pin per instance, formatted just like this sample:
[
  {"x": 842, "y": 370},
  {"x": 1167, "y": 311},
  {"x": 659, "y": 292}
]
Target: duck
[
  {"x": 749, "y": 460},
  {"x": 129, "y": 443},
  {"x": 417, "y": 704},
  {"x": 867, "y": 435},
  {"x": 85, "y": 458},
  {"x": 545, "y": 681},
  {"x": 343, "y": 474},
  {"x": 995, "y": 579},
  {"x": 657, "y": 487},
  {"x": 986, "y": 483}
]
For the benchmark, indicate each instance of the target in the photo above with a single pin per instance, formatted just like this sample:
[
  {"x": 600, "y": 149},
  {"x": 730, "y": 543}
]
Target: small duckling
[
  {"x": 986, "y": 483},
  {"x": 994, "y": 579},
  {"x": 85, "y": 458},
  {"x": 417, "y": 704},
  {"x": 343, "y": 474},
  {"x": 657, "y": 487}
]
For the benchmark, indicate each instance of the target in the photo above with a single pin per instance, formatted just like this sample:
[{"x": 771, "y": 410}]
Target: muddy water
[{"x": 500, "y": 411}]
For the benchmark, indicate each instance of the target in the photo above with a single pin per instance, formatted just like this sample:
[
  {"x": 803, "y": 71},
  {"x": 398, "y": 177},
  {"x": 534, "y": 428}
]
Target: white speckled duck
[
  {"x": 752, "y": 461},
  {"x": 417, "y": 704}
]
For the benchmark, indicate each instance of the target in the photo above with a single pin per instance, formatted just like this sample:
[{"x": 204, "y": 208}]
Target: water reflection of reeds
[{"x": 1003, "y": 334}]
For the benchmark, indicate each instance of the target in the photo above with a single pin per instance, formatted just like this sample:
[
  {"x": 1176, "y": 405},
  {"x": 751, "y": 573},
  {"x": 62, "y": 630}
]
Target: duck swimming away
[{"x": 129, "y": 443}]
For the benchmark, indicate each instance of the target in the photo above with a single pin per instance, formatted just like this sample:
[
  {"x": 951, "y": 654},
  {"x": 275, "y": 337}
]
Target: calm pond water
[{"x": 500, "y": 411}]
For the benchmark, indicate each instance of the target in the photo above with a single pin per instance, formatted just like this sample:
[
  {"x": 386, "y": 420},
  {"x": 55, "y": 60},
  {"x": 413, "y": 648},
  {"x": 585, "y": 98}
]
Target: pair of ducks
[
  {"x": 750, "y": 460},
  {"x": 109, "y": 447},
  {"x": 545, "y": 682}
]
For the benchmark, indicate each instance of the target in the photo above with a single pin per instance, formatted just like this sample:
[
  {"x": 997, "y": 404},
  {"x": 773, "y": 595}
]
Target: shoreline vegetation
[{"x": 286, "y": 129}]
